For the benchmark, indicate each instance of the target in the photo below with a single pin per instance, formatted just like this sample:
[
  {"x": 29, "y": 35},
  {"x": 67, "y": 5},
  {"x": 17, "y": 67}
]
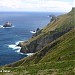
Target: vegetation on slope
[
  {"x": 51, "y": 32},
  {"x": 58, "y": 60}
]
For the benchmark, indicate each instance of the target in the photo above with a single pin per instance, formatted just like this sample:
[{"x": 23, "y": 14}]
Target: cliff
[
  {"x": 54, "y": 49},
  {"x": 55, "y": 29}
]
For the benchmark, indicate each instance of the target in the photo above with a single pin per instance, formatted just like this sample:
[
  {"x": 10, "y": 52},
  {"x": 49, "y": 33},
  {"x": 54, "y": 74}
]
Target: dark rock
[
  {"x": 7, "y": 24},
  {"x": 38, "y": 44},
  {"x": 37, "y": 29},
  {"x": 53, "y": 18}
]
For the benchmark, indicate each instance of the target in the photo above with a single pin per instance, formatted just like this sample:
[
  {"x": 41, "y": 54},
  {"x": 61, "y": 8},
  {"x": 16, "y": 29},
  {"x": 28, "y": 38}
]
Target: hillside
[
  {"x": 51, "y": 32},
  {"x": 54, "y": 48}
]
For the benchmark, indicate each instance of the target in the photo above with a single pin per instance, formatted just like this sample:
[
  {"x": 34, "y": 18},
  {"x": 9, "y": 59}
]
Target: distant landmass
[{"x": 7, "y": 24}]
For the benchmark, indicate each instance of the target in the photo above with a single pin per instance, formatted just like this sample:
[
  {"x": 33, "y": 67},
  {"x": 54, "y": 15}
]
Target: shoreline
[{"x": 17, "y": 48}]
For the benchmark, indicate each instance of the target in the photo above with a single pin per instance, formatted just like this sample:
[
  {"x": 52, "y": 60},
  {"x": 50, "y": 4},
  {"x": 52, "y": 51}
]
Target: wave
[
  {"x": 33, "y": 32},
  {"x": 18, "y": 42},
  {"x": 28, "y": 54},
  {"x": 15, "y": 47},
  {"x": 18, "y": 51},
  {"x": 1, "y": 26},
  {"x": 18, "y": 48}
]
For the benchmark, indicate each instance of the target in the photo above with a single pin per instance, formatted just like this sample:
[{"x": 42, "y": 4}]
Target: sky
[{"x": 37, "y": 5}]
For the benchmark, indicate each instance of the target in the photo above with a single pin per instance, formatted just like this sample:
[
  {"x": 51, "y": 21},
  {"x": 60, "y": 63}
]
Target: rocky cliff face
[{"x": 49, "y": 33}]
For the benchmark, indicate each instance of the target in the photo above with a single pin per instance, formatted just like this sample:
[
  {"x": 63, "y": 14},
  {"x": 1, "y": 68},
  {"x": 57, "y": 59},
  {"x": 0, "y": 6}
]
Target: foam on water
[
  {"x": 15, "y": 47},
  {"x": 28, "y": 54},
  {"x": 1, "y": 26},
  {"x": 18, "y": 42},
  {"x": 18, "y": 48},
  {"x": 33, "y": 32}
]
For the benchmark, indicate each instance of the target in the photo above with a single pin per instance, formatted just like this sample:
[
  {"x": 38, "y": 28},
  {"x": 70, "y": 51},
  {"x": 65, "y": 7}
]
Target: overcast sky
[{"x": 37, "y": 5}]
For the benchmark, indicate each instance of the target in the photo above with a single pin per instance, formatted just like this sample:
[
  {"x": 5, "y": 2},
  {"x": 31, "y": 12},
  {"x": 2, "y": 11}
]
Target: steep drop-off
[{"x": 56, "y": 28}]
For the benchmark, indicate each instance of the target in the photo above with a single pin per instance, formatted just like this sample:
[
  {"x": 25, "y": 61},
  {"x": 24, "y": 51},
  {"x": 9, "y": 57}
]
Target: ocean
[{"x": 23, "y": 23}]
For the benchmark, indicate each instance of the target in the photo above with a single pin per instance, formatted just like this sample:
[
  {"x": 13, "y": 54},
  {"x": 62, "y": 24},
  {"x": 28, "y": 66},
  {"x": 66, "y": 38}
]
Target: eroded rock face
[
  {"x": 38, "y": 44},
  {"x": 29, "y": 47},
  {"x": 7, "y": 24}
]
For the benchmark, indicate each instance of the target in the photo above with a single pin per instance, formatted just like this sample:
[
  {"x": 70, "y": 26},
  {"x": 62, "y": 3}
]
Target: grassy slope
[
  {"x": 57, "y": 58},
  {"x": 63, "y": 22}
]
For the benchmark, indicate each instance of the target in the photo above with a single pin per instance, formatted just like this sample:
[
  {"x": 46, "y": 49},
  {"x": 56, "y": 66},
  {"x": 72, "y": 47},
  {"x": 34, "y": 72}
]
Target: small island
[{"x": 7, "y": 24}]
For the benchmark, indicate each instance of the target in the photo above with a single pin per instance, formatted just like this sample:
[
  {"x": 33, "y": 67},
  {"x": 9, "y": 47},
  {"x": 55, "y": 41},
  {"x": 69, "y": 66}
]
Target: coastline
[{"x": 17, "y": 48}]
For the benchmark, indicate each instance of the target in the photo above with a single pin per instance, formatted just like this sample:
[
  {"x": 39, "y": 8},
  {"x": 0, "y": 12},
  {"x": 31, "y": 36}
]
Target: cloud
[
  {"x": 10, "y": 3},
  {"x": 35, "y": 5},
  {"x": 74, "y": 3}
]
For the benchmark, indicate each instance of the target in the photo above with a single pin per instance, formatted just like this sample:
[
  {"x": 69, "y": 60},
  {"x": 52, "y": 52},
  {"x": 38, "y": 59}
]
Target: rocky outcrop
[
  {"x": 38, "y": 44},
  {"x": 53, "y": 18},
  {"x": 7, "y": 24}
]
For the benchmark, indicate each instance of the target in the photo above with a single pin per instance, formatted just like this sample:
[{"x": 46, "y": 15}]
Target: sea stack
[{"x": 7, "y": 24}]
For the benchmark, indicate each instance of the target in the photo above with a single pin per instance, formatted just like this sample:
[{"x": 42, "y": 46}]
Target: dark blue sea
[{"x": 23, "y": 23}]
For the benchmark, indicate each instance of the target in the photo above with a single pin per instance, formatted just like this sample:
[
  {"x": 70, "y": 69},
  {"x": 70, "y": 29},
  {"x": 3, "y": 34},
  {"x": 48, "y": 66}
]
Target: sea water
[{"x": 22, "y": 25}]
